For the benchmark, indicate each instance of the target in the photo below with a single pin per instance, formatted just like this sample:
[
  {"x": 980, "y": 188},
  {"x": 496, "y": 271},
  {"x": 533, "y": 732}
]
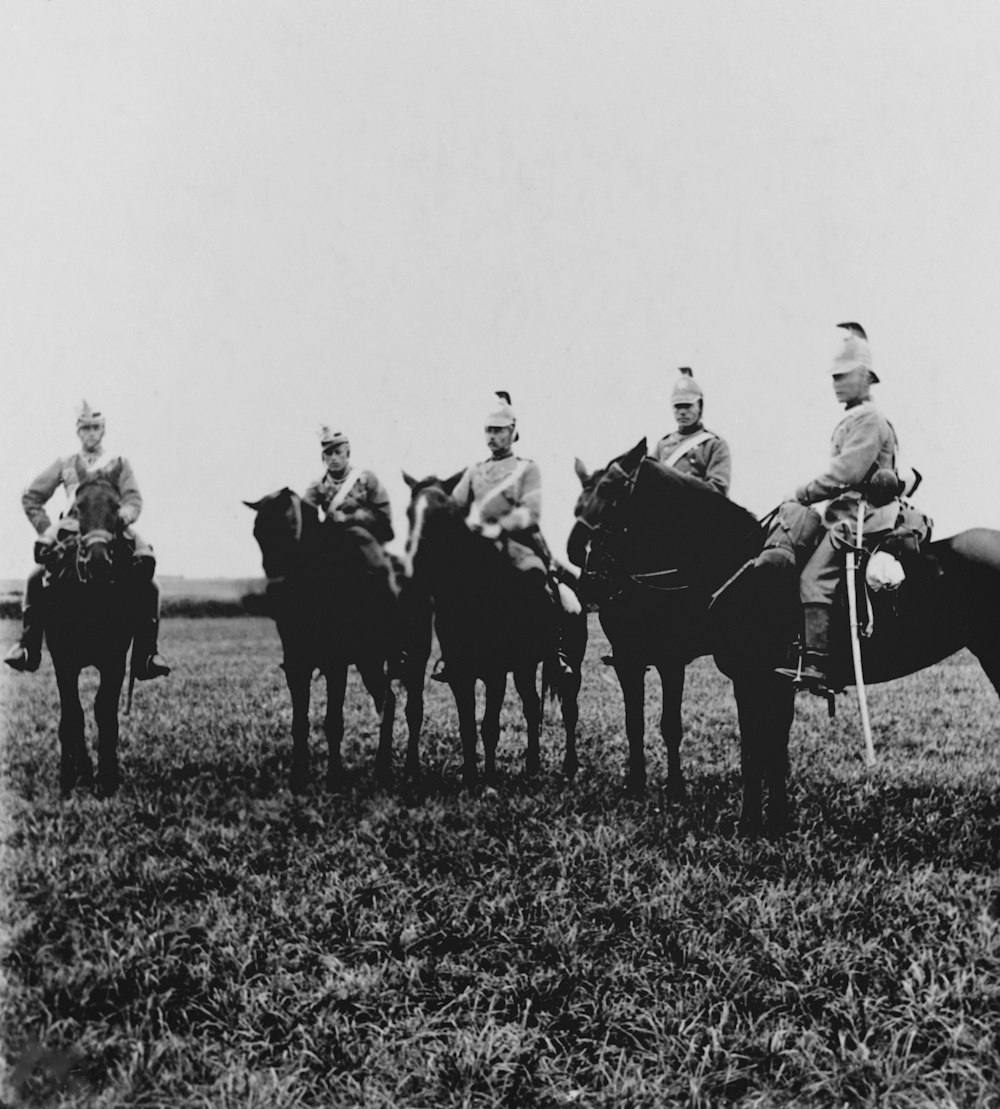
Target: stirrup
[
  {"x": 153, "y": 666},
  {"x": 21, "y": 659}
]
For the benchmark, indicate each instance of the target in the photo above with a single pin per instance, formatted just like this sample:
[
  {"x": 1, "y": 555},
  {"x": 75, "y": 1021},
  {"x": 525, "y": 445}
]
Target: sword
[{"x": 852, "y": 601}]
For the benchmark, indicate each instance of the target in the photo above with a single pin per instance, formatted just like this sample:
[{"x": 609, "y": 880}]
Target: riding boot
[
  {"x": 814, "y": 671},
  {"x": 26, "y": 654},
  {"x": 149, "y": 663}
]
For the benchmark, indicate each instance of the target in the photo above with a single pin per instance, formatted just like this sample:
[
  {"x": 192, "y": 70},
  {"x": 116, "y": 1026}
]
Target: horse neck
[
  {"x": 453, "y": 560},
  {"x": 671, "y": 523}
]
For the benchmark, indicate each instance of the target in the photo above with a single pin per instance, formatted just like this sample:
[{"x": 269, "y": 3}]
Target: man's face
[
  {"x": 499, "y": 439},
  {"x": 90, "y": 436},
  {"x": 336, "y": 458},
  {"x": 687, "y": 414},
  {"x": 852, "y": 387}
]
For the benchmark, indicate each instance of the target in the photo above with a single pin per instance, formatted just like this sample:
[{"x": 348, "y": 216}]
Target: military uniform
[
  {"x": 707, "y": 458},
  {"x": 366, "y": 502},
  {"x": 68, "y": 472},
  {"x": 508, "y": 492},
  {"x": 863, "y": 438}
]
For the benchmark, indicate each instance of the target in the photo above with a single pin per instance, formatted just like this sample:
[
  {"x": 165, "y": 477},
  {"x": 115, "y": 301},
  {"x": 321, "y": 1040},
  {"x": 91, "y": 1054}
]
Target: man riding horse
[
  {"x": 503, "y": 495},
  {"x": 69, "y": 471},
  {"x": 692, "y": 449},
  {"x": 863, "y": 443},
  {"x": 355, "y": 501}
]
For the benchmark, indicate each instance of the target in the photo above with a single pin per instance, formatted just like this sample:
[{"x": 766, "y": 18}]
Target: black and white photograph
[{"x": 499, "y": 554}]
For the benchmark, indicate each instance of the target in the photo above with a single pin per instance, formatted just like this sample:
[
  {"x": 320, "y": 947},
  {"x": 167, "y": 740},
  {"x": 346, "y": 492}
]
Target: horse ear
[
  {"x": 255, "y": 505},
  {"x": 410, "y": 481},
  {"x": 449, "y": 483},
  {"x": 633, "y": 457},
  {"x": 580, "y": 470}
]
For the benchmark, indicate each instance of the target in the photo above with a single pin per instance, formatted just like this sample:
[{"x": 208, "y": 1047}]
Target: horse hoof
[
  {"x": 412, "y": 768},
  {"x": 383, "y": 775},
  {"x": 298, "y": 780},
  {"x": 107, "y": 785},
  {"x": 570, "y": 768},
  {"x": 532, "y": 768},
  {"x": 634, "y": 787},
  {"x": 677, "y": 793}
]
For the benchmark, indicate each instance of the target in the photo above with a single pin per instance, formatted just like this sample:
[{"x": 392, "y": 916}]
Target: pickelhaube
[
  {"x": 686, "y": 390},
  {"x": 852, "y": 350},
  {"x": 499, "y": 411},
  {"x": 87, "y": 415},
  {"x": 331, "y": 438}
]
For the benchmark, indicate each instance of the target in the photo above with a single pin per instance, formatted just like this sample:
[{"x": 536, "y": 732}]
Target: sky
[{"x": 227, "y": 222}]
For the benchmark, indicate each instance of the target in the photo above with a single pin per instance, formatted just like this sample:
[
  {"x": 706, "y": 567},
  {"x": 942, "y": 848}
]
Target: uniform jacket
[
  {"x": 64, "y": 472},
  {"x": 478, "y": 481},
  {"x": 709, "y": 461},
  {"x": 863, "y": 437},
  {"x": 367, "y": 504}
]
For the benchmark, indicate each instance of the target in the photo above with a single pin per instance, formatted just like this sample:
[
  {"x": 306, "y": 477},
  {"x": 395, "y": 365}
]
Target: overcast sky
[{"x": 228, "y": 222}]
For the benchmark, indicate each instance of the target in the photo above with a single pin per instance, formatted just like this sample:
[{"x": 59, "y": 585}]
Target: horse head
[
  {"x": 640, "y": 516},
  {"x": 282, "y": 520},
  {"x": 430, "y": 510},
  {"x": 96, "y": 505}
]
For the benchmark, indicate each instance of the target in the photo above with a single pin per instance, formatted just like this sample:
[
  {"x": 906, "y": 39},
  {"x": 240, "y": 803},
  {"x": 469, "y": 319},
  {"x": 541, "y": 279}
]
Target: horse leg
[
  {"x": 373, "y": 674},
  {"x": 671, "y": 727},
  {"x": 333, "y": 724},
  {"x": 75, "y": 766},
  {"x": 464, "y": 692},
  {"x": 299, "y": 679},
  {"x": 496, "y": 687},
  {"x": 632, "y": 679},
  {"x": 106, "y": 716},
  {"x": 414, "y": 685},
  {"x": 527, "y": 688},
  {"x": 569, "y": 698},
  {"x": 766, "y": 706}
]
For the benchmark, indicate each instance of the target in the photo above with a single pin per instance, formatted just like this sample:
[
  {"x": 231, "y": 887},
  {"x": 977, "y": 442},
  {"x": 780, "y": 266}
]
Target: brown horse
[
  {"x": 89, "y": 619},
  {"x": 490, "y": 623},
  {"x": 658, "y": 546},
  {"x": 330, "y": 614}
]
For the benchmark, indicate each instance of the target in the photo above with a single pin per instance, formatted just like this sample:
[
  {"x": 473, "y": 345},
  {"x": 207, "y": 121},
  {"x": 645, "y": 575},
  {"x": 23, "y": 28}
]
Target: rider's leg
[
  {"x": 26, "y": 654},
  {"x": 149, "y": 663},
  {"x": 816, "y": 591}
]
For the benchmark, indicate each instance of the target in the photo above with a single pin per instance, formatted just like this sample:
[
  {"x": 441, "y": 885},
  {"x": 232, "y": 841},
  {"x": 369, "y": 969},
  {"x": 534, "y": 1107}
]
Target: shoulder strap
[
  {"x": 689, "y": 445},
  {"x": 342, "y": 493},
  {"x": 508, "y": 482}
]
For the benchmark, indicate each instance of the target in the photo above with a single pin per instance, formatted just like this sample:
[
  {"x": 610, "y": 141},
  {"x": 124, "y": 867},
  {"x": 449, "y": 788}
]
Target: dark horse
[
  {"x": 330, "y": 613},
  {"x": 490, "y": 622},
  {"x": 89, "y": 621},
  {"x": 660, "y": 546}
]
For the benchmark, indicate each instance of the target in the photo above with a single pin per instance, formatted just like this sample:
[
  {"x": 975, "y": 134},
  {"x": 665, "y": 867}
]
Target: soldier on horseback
[
  {"x": 863, "y": 442},
  {"x": 692, "y": 449},
  {"x": 503, "y": 495},
  {"x": 355, "y": 501},
  {"x": 69, "y": 471}
]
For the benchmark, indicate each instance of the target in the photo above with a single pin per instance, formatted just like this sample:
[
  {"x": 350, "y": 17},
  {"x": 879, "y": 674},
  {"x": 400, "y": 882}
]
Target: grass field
[{"x": 205, "y": 939}]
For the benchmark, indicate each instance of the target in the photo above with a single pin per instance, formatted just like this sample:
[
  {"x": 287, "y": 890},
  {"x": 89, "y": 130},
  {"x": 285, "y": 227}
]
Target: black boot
[
  {"x": 813, "y": 673},
  {"x": 26, "y": 654},
  {"x": 148, "y": 662}
]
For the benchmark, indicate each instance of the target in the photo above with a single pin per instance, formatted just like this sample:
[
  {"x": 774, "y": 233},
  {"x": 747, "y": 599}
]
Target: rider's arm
[
  {"x": 527, "y": 513},
  {"x": 859, "y": 449},
  {"x": 39, "y": 492},
  {"x": 462, "y": 493},
  {"x": 131, "y": 498},
  {"x": 718, "y": 465},
  {"x": 372, "y": 510}
]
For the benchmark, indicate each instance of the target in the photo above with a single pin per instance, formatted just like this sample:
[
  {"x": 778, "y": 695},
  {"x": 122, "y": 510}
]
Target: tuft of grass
[{"x": 207, "y": 939}]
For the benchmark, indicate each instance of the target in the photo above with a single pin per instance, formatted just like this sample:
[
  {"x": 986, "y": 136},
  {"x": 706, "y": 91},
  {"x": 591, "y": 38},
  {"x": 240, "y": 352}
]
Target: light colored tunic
[
  {"x": 481, "y": 480},
  {"x": 708, "y": 461},
  {"x": 862, "y": 438},
  {"x": 65, "y": 472},
  {"x": 366, "y": 505}
]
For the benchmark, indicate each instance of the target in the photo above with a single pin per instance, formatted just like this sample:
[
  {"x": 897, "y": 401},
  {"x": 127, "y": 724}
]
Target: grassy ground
[{"x": 206, "y": 939}]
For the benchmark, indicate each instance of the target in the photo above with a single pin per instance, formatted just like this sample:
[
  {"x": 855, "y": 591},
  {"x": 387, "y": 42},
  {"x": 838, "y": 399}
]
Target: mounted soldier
[
  {"x": 692, "y": 449},
  {"x": 356, "y": 502},
  {"x": 864, "y": 444},
  {"x": 69, "y": 471},
  {"x": 503, "y": 495}
]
